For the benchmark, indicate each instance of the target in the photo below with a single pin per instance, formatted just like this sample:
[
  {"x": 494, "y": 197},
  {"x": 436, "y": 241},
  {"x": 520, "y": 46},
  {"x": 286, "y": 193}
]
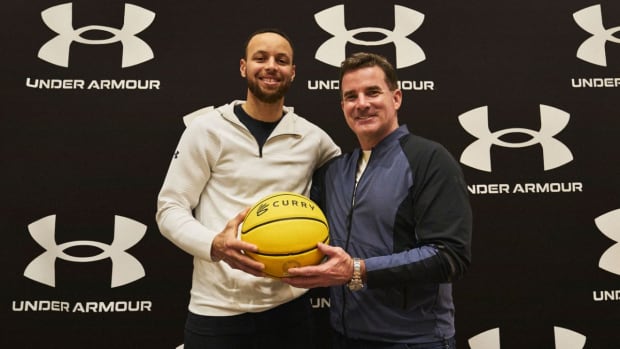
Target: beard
[{"x": 268, "y": 97}]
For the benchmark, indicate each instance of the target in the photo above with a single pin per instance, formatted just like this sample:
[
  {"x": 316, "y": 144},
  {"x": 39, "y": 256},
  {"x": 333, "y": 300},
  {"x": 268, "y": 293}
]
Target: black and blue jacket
[{"x": 411, "y": 222}]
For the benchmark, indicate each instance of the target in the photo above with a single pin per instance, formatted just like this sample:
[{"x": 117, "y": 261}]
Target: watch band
[{"x": 356, "y": 283}]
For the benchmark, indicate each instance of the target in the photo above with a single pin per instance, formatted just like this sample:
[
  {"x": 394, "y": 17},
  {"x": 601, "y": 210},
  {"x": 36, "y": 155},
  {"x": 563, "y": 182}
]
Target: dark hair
[
  {"x": 365, "y": 60},
  {"x": 266, "y": 30}
]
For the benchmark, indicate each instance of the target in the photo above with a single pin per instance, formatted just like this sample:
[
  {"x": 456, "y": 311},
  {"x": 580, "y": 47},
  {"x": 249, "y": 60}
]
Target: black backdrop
[{"x": 86, "y": 143}]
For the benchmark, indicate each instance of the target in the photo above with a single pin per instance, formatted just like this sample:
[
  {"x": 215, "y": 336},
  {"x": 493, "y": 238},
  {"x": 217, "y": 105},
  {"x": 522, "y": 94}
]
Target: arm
[
  {"x": 337, "y": 270},
  {"x": 437, "y": 207},
  {"x": 329, "y": 149},
  {"x": 441, "y": 213},
  {"x": 188, "y": 174}
]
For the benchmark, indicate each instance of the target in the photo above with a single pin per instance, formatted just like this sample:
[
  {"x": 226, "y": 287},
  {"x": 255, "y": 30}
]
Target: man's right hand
[{"x": 227, "y": 248}]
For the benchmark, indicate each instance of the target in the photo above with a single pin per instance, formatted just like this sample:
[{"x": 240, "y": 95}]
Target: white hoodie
[{"x": 216, "y": 172}]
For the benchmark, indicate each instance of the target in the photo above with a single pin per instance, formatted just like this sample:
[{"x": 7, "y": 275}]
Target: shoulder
[
  {"x": 415, "y": 144},
  {"x": 208, "y": 117},
  {"x": 413, "y": 140},
  {"x": 420, "y": 150},
  {"x": 302, "y": 126},
  {"x": 301, "y": 121},
  {"x": 339, "y": 163}
]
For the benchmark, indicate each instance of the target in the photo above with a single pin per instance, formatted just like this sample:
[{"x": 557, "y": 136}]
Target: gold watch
[{"x": 356, "y": 283}]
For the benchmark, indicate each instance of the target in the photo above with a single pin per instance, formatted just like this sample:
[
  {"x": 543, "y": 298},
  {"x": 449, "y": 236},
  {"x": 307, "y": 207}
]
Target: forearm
[
  {"x": 179, "y": 226},
  {"x": 420, "y": 265}
]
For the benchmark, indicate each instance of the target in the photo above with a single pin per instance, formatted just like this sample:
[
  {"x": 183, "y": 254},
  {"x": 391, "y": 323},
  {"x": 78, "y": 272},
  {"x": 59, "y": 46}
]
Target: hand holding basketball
[
  {"x": 286, "y": 228},
  {"x": 337, "y": 270},
  {"x": 227, "y": 248}
]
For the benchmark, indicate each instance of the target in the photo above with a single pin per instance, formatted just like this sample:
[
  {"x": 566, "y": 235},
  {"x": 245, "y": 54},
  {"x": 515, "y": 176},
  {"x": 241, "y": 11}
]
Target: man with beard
[{"x": 226, "y": 160}]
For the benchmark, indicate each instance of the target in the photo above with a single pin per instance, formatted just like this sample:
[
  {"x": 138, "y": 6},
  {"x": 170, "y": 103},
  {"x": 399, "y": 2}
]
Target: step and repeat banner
[{"x": 525, "y": 95}]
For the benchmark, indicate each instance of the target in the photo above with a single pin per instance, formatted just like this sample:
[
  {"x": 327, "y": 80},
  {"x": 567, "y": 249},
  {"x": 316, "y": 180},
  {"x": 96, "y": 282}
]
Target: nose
[
  {"x": 271, "y": 63},
  {"x": 362, "y": 101}
]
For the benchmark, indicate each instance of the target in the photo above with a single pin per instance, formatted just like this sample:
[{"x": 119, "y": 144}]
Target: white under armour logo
[
  {"x": 609, "y": 225},
  {"x": 59, "y": 19},
  {"x": 406, "y": 21},
  {"x": 564, "y": 339},
  {"x": 478, "y": 154},
  {"x": 125, "y": 267},
  {"x": 592, "y": 50}
]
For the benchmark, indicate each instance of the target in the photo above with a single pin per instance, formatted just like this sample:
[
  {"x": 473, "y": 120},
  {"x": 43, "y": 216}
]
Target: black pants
[
  {"x": 341, "y": 342},
  {"x": 288, "y": 326}
]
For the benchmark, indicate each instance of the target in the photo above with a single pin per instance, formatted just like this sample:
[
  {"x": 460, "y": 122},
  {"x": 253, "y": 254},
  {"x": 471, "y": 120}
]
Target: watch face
[{"x": 355, "y": 285}]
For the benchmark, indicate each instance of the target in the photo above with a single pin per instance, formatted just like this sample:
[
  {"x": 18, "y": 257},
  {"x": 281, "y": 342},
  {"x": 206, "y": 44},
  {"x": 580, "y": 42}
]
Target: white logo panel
[
  {"x": 59, "y": 18},
  {"x": 564, "y": 339},
  {"x": 485, "y": 340},
  {"x": 125, "y": 267},
  {"x": 406, "y": 21},
  {"x": 592, "y": 50},
  {"x": 478, "y": 154},
  {"x": 609, "y": 225}
]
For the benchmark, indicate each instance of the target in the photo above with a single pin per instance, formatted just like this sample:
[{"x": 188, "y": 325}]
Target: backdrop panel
[{"x": 524, "y": 94}]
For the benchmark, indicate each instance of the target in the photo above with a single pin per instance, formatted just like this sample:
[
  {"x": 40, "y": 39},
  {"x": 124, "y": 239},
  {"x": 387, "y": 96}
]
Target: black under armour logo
[{"x": 176, "y": 154}]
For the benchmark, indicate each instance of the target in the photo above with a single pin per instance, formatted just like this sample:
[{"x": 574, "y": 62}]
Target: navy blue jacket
[{"x": 411, "y": 222}]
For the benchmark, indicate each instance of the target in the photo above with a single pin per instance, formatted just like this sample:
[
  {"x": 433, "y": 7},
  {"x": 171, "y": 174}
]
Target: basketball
[{"x": 286, "y": 227}]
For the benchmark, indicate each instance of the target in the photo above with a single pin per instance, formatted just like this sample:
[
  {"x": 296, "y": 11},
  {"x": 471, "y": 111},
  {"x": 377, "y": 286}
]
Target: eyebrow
[
  {"x": 348, "y": 93},
  {"x": 264, "y": 52},
  {"x": 368, "y": 88}
]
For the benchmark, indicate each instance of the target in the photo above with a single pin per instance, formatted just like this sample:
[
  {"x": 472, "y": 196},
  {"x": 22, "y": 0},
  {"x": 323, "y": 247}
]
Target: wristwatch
[{"x": 356, "y": 283}]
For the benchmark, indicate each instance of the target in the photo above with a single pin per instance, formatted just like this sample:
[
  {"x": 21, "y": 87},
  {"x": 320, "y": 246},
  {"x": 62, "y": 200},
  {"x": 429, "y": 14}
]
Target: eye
[
  {"x": 349, "y": 98},
  {"x": 284, "y": 60},
  {"x": 258, "y": 58},
  {"x": 373, "y": 93}
]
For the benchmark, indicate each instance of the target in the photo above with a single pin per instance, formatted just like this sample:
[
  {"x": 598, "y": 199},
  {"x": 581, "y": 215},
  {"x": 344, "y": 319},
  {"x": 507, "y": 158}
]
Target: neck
[
  {"x": 262, "y": 111},
  {"x": 369, "y": 142}
]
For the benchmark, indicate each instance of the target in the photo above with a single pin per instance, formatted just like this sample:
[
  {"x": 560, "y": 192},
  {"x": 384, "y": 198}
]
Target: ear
[
  {"x": 293, "y": 72},
  {"x": 243, "y": 67},
  {"x": 397, "y": 97}
]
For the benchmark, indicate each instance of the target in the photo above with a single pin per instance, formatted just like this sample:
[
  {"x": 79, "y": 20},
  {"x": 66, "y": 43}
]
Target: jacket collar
[
  {"x": 287, "y": 125},
  {"x": 391, "y": 138}
]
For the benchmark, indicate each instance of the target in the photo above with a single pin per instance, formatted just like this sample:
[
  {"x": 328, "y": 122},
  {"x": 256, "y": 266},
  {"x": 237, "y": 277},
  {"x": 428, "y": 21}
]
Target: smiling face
[
  {"x": 268, "y": 67},
  {"x": 370, "y": 108}
]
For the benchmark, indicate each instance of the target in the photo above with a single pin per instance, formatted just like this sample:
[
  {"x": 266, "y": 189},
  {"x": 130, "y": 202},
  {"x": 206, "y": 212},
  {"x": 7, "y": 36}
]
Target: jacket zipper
[{"x": 346, "y": 245}]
